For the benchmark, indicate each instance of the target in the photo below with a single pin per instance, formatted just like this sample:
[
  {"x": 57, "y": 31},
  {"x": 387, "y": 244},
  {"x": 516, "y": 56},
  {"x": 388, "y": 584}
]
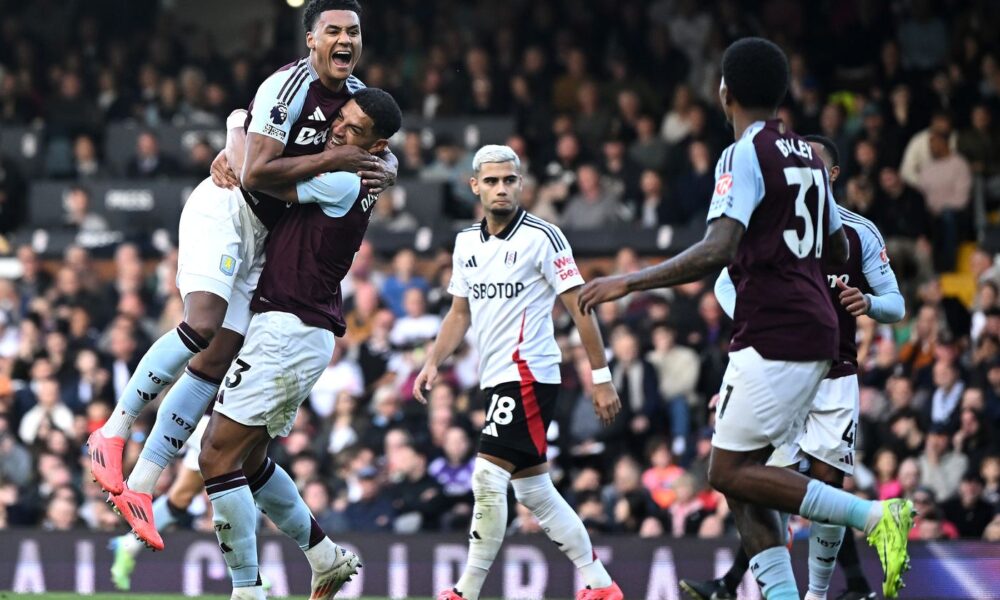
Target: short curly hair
[
  {"x": 382, "y": 109},
  {"x": 756, "y": 73},
  {"x": 317, "y": 7}
]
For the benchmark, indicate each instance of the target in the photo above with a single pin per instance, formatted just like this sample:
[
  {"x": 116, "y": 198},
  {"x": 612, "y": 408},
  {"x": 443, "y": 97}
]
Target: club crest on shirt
[
  {"x": 227, "y": 265},
  {"x": 279, "y": 113},
  {"x": 510, "y": 258}
]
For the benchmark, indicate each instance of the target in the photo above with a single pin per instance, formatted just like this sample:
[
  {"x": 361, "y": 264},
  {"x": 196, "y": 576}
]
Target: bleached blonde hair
[{"x": 495, "y": 153}]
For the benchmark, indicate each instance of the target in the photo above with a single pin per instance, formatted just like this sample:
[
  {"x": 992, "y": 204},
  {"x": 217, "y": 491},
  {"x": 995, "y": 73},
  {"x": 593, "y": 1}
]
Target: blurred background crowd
[{"x": 617, "y": 122}]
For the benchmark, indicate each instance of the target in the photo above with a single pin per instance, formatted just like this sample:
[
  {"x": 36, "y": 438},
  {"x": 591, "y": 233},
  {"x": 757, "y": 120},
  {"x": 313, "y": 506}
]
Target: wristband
[
  {"x": 602, "y": 375},
  {"x": 236, "y": 119}
]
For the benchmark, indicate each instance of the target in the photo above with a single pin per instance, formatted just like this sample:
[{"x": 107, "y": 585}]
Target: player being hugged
[
  {"x": 298, "y": 313},
  {"x": 507, "y": 272}
]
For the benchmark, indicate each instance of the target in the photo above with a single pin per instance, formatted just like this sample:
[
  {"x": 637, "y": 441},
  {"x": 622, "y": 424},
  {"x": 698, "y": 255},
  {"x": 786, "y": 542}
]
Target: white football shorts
[
  {"x": 193, "y": 446},
  {"x": 221, "y": 250},
  {"x": 278, "y": 366},
  {"x": 830, "y": 430},
  {"x": 764, "y": 402}
]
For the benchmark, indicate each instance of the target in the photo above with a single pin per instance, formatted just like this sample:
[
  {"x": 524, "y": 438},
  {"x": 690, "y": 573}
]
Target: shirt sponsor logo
[
  {"x": 227, "y": 265},
  {"x": 724, "y": 184},
  {"x": 308, "y": 135},
  {"x": 279, "y": 113},
  {"x": 489, "y": 291},
  {"x": 566, "y": 267}
]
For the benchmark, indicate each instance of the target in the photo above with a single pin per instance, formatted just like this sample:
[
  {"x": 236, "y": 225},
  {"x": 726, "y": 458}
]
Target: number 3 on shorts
[{"x": 237, "y": 376}]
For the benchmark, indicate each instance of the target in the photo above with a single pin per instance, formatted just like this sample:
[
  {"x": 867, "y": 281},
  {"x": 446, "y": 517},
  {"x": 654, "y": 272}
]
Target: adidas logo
[
  {"x": 225, "y": 548},
  {"x": 826, "y": 560},
  {"x": 98, "y": 457},
  {"x": 137, "y": 512},
  {"x": 176, "y": 443},
  {"x": 317, "y": 115},
  {"x": 491, "y": 429},
  {"x": 471, "y": 262},
  {"x": 147, "y": 396}
]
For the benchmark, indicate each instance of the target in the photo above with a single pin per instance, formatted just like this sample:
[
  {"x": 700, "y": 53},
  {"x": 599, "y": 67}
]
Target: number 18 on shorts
[{"x": 517, "y": 418}]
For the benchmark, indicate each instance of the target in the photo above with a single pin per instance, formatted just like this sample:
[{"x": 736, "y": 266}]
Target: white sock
[
  {"x": 130, "y": 544},
  {"x": 319, "y": 555},
  {"x": 144, "y": 476},
  {"x": 824, "y": 545},
  {"x": 489, "y": 486},
  {"x": 562, "y": 525},
  {"x": 119, "y": 423}
]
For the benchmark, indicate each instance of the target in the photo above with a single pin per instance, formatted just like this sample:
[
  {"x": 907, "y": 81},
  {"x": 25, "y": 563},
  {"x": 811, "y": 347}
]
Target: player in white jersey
[
  {"x": 865, "y": 285},
  {"x": 506, "y": 274}
]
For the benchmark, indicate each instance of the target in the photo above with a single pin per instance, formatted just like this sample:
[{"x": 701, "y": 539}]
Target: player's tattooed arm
[
  {"x": 606, "y": 401},
  {"x": 453, "y": 328},
  {"x": 713, "y": 252}
]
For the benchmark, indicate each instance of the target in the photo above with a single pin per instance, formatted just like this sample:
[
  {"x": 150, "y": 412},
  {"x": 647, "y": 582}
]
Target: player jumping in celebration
[
  {"x": 831, "y": 427},
  {"x": 507, "y": 272},
  {"x": 771, "y": 218},
  {"x": 220, "y": 256},
  {"x": 297, "y": 314}
]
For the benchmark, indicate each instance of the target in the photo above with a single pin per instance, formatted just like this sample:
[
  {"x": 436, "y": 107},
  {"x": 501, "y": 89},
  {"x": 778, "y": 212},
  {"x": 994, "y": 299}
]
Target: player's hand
[
  {"x": 601, "y": 290},
  {"x": 379, "y": 178},
  {"x": 713, "y": 403},
  {"x": 606, "y": 402},
  {"x": 348, "y": 158},
  {"x": 222, "y": 175},
  {"x": 853, "y": 300},
  {"x": 425, "y": 379}
]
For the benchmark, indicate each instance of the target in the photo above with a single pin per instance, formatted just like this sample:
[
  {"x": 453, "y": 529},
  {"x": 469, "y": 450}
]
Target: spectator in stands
[
  {"x": 979, "y": 144},
  {"x": 13, "y": 195},
  {"x": 655, "y": 208},
  {"x": 637, "y": 385},
  {"x": 317, "y": 497},
  {"x": 968, "y": 511},
  {"x": 678, "y": 368},
  {"x": 648, "y": 150},
  {"x": 78, "y": 216},
  {"x": 199, "y": 159},
  {"x": 947, "y": 396},
  {"x": 591, "y": 122},
  {"x": 342, "y": 375},
  {"x": 923, "y": 38},
  {"x": 390, "y": 211},
  {"x": 403, "y": 278},
  {"x": 592, "y": 207},
  {"x": 690, "y": 188},
  {"x": 412, "y": 159},
  {"x": 941, "y": 469},
  {"x": 946, "y": 182},
  {"x": 676, "y": 123},
  {"x": 917, "y": 154},
  {"x": 112, "y": 102},
  {"x": 627, "y": 503},
  {"x": 359, "y": 319},
  {"x": 659, "y": 478},
  {"x": 417, "y": 497},
  {"x": 451, "y": 167},
  {"x": 149, "y": 160},
  {"x": 70, "y": 112},
  {"x": 621, "y": 175},
  {"x": 372, "y": 511},
  {"x": 86, "y": 164},
  {"x": 47, "y": 413},
  {"x": 453, "y": 471}
]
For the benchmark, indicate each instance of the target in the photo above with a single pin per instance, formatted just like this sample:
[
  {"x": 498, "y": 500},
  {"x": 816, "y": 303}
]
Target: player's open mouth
[{"x": 341, "y": 58}]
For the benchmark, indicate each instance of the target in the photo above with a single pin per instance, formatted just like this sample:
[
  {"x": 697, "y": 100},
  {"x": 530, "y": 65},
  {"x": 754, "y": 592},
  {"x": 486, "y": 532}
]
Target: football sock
[
  {"x": 489, "y": 486},
  {"x": 562, "y": 525},
  {"x": 277, "y": 496},
  {"x": 824, "y": 543},
  {"x": 772, "y": 569},
  {"x": 165, "y": 513},
  {"x": 734, "y": 576},
  {"x": 176, "y": 420},
  {"x": 851, "y": 564},
  {"x": 827, "y": 504},
  {"x": 155, "y": 371},
  {"x": 235, "y": 519}
]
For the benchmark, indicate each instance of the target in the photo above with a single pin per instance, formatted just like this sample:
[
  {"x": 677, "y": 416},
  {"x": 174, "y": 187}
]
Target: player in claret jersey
[
  {"x": 507, "y": 272},
  {"x": 297, "y": 315},
  {"x": 220, "y": 256},
  {"x": 771, "y": 220},
  {"x": 865, "y": 285}
]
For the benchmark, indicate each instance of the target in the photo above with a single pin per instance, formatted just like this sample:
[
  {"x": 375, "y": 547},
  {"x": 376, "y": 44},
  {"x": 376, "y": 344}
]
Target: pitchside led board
[{"x": 528, "y": 567}]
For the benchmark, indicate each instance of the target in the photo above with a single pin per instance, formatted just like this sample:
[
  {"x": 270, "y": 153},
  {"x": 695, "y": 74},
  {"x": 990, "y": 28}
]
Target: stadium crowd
[{"x": 622, "y": 130}]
